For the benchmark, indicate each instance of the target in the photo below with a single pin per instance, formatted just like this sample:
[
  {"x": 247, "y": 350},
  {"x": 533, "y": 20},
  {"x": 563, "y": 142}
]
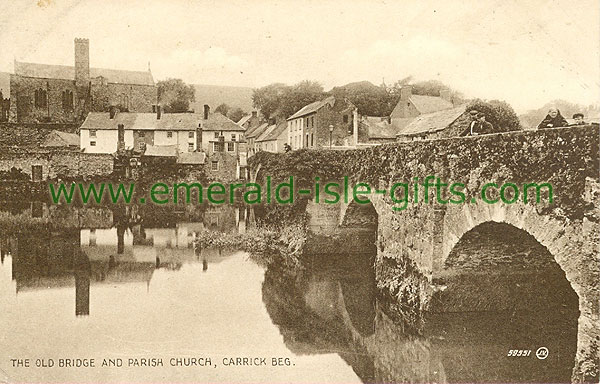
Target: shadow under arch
[{"x": 500, "y": 290}]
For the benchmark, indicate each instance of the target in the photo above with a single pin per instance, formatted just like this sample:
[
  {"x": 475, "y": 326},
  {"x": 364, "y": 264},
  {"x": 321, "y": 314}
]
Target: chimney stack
[
  {"x": 158, "y": 112},
  {"x": 206, "y": 111},
  {"x": 405, "y": 92},
  {"x": 112, "y": 112},
  {"x": 254, "y": 113},
  {"x": 120, "y": 137},
  {"x": 82, "y": 62}
]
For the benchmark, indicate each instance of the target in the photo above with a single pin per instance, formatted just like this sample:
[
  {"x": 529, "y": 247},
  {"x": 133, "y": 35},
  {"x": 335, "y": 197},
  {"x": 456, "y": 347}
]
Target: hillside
[{"x": 214, "y": 95}]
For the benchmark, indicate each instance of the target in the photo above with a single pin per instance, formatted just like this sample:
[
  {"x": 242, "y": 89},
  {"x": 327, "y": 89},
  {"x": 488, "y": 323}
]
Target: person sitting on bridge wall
[
  {"x": 578, "y": 117},
  {"x": 480, "y": 126},
  {"x": 553, "y": 119}
]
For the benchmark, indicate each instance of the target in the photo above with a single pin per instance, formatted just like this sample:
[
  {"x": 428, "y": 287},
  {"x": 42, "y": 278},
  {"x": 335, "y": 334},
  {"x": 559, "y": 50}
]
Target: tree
[
  {"x": 175, "y": 95},
  {"x": 268, "y": 98},
  {"x": 223, "y": 109},
  {"x": 236, "y": 114},
  {"x": 284, "y": 100},
  {"x": 499, "y": 113},
  {"x": 370, "y": 99},
  {"x": 299, "y": 95}
]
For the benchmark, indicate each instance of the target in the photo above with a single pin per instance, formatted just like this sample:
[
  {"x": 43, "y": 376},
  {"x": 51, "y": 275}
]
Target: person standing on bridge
[
  {"x": 480, "y": 126},
  {"x": 553, "y": 119}
]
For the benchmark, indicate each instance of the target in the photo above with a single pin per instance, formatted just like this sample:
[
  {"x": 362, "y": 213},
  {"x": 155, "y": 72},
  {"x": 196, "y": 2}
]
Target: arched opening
[{"x": 499, "y": 298}]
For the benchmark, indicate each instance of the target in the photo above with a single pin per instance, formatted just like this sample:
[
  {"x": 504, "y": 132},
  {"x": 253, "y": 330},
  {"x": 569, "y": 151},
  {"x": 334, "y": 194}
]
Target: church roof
[{"x": 67, "y": 72}]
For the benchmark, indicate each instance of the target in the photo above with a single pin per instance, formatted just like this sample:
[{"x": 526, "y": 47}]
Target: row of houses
[{"x": 335, "y": 123}]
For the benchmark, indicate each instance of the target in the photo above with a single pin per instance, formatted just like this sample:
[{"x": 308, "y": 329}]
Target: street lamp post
[{"x": 330, "y": 134}]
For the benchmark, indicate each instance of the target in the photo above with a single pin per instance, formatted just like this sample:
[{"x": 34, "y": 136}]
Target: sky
[{"x": 525, "y": 52}]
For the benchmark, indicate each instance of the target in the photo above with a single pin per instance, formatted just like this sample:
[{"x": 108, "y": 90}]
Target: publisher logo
[{"x": 541, "y": 353}]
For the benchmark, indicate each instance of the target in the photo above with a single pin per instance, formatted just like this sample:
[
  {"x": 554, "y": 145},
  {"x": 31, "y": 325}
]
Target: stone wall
[
  {"x": 58, "y": 163},
  {"x": 32, "y": 135},
  {"x": 133, "y": 98},
  {"x": 22, "y": 96}
]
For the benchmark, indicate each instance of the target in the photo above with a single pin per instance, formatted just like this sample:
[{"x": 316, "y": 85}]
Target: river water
[{"x": 127, "y": 289}]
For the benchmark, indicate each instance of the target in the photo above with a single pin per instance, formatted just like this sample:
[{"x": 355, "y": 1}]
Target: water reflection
[
  {"x": 334, "y": 308},
  {"x": 127, "y": 281},
  {"x": 53, "y": 247}
]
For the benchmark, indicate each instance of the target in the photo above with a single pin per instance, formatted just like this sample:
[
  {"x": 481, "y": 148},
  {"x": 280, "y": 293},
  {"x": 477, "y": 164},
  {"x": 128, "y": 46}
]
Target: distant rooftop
[
  {"x": 167, "y": 121},
  {"x": 67, "y": 72}
]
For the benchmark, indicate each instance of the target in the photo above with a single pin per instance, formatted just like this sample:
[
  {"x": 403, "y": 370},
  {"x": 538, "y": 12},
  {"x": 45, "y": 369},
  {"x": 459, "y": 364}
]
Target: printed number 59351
[{"x": 519, "y": 352}]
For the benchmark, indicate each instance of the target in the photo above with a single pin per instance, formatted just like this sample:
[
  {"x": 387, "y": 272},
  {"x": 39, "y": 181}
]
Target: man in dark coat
[{"x": 480, "y": 126}]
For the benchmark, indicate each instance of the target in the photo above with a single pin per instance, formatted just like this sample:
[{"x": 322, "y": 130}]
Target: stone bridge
[{"x": 414, "y": 246}]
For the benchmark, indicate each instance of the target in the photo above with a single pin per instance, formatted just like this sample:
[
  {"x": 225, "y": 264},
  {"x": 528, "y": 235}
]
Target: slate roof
[
  {"x": 431, "y": 122},
  {"x": 167, "y": 121},
  {"x": 161, "y": 151},
  {"x": 191, "y": 158},
  {"x": 67, "y": 72},
  {"x": 219, "y": 122},
  {"x": 273, "y": 132},
  {"x": 244, "y": 119},
  {"x": 429, "y": 104},
  {"x": 313, "y": 107},
  {"x": 61, "y": 139},
  {"x": 256, "y": 132}
]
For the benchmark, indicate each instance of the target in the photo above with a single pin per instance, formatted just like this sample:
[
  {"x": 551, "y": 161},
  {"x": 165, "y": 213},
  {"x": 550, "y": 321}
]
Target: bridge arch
[{"x": 563, "y": 239}]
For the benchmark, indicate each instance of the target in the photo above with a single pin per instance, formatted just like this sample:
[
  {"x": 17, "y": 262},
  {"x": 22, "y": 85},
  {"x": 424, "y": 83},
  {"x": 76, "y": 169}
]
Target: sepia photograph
[{"x": 299, "y": 191}]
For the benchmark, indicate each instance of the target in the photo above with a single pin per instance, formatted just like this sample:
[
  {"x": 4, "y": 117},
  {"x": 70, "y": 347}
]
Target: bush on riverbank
[{"x": 266, "y": 243}]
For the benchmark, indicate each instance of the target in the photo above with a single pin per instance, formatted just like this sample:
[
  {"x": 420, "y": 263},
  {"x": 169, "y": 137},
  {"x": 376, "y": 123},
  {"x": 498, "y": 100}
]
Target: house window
[
  {"x": 190, "y": 147},
  {"x": 307, "y": 122},
  {"x": 41, "y": 98},
  {"x": 312, "y": 140},
  {"x": 67, "y": 100},
  {"x": 92, "y": 143},
  {"x": 312, "y": 121},
  {"x": 169, "y": 134},
  {"x": 216, "y": 135},
  {"x": 230, "y": 147},
  {"x": 141, "y": 134},
  {"x": 233, "y": 137},
  {"x": 191, "y": 134},
  {"x": 345, "y": 118},
  {"x": 214, "y": 165},
  {"x": 92, "y": 133}
]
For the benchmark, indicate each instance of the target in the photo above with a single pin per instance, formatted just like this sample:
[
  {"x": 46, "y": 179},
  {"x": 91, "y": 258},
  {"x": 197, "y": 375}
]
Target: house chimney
[
  {"x": 254, "y": 113},
  {"x": 158, "y": 112},
  {"x": 82, "y": 62},
  {"x": 120, "y": 137},
  {"x": 112, "y": 112},
  {"x": 206, "y": 111},
  {"x": 405, "y": 92}
]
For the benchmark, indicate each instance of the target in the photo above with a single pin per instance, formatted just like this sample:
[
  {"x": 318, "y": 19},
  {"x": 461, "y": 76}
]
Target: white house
[{"x": 101, "y": 132}]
